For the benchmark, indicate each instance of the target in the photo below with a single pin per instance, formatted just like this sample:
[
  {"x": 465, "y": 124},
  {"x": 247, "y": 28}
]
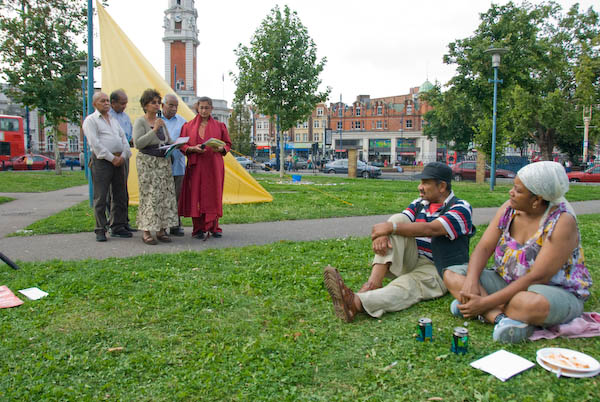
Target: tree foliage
[
  {"x": 38, "y": 55},
  {"x": 279, "y": 71},
  {"x": 240, "y": 125},
  {"x": 540, "y": 92},
  {"x": 450, "y": 119}
]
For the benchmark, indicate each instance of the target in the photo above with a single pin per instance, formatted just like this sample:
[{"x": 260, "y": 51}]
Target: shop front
[
  {"x": 406, "y": 151},
  {"x": 380, "y": 150}
]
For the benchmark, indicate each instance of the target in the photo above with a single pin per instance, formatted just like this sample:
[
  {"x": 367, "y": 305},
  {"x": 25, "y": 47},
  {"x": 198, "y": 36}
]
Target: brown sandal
[
  {"x": 163, "y": 236},
  {"x": 148, "y": 239}
]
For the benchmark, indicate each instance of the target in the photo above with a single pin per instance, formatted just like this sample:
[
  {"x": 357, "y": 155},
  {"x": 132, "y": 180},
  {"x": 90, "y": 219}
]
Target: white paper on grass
[
  {"x": 33, "y": 293},
  {"x": 502, "y": 364}
]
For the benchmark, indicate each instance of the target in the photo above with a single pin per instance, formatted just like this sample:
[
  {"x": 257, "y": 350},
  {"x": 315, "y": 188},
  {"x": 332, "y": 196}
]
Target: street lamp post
[
  {"x": 496, "y": 53},
  {"x": 340, "y": 125},
  {"x": 83, "y": 73}
]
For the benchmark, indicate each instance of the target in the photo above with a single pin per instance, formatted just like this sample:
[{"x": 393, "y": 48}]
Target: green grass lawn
[
  {"x": 5, "y": 199},
  {"x": 325, "y": 197},
  {"x": 252, "y": 323},
  {"x": 39, "y": 181}
]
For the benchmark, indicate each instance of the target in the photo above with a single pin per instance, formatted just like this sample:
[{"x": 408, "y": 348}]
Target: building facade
[{"x": 387, "y": 130}]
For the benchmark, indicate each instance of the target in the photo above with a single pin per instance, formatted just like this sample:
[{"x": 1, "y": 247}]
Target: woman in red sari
[{"x": 202, "y": 189}]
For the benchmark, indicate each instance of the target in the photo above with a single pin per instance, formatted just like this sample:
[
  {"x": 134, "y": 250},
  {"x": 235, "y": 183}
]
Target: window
[
  {"x": 339, "y": 125},
  {"x": 259, "y": 124},
  {"x": 379, "y": 110},
  {"x": 357, "y": 124},
  {"x": 340, "y": 112},
  {"x": 304, "y": 137},
  {"x": 379, "y": 124},
  {"x": 297, "y": 137},
  {"x": 316, "y": 124},
  {"x": 305, "y": 124},
  {"x": 408, "y": 123},
  {"x": 409, "y": 108},
  {"x": 319, "y": 111},
  {"x": 316, "y": 137},
  {"x": 73, "y": 144},
  {"x": 178, "y": 25},
  {"x": 49, "y": 143},
  {"x": 358, "y": 111},
  {"x": 299, "y": 125},
  {"x": 266, "y": 125}
]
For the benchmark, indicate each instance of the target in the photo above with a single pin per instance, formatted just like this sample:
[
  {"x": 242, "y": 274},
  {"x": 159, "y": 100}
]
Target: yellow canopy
[{"x": 123, "y": 66}]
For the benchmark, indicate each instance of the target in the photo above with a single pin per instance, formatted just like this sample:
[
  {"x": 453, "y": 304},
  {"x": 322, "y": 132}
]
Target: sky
[{"x": 380, "y": 48}]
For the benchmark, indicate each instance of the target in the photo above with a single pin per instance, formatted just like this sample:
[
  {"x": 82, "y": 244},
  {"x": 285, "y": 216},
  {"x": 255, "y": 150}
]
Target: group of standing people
[
  {"x": 168, "y": 187},
  {"x": 539, "y": 277}
]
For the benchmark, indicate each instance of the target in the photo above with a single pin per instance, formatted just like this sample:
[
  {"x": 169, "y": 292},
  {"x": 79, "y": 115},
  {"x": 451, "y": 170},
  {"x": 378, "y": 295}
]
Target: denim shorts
[{"x": 564, "y": 305}]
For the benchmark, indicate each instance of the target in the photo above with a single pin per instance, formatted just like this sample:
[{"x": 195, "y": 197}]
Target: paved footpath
[{"x": 30, "y": 207}]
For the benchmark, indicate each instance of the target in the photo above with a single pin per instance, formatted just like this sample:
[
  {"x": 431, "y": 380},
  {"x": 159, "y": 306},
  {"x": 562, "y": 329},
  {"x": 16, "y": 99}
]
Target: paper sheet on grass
[
  {"x": 502, "y": 364},
  {"x": 8, "y": 298},
  {"x": 33, "y": 293}
]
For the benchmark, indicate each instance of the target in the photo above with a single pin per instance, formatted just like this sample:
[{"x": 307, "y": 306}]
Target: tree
[
  {"x": 536, "y": 100},
  {"x": 450, "y": 119},
  {"x": 38, "y": 55},
  {"x": 279, "y": 71},
  {"x": 240, "y": 125}
]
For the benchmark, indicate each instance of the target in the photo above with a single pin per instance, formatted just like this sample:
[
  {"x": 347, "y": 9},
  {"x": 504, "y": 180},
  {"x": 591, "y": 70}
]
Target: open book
[
  {"x": 170, "y": 147},
  {"x": 214, "y": 143}
]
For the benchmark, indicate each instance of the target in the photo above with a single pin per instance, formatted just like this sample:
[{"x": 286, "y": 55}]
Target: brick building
[{"x": 387, "y": 129}]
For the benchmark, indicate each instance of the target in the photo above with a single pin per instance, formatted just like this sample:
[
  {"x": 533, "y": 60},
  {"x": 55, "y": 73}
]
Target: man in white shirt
[{"x": 110, "y": 150}]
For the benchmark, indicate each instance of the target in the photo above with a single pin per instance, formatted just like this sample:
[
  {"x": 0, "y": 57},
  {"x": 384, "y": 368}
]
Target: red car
[
  {"x": 466, "y": 171},
  {"x": 32, "y": 162},
  {"x": 592, "y": 175}
]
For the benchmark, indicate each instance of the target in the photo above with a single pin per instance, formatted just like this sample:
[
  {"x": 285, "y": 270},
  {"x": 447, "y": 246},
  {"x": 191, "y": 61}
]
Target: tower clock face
[{"x": 178, "y": 18}]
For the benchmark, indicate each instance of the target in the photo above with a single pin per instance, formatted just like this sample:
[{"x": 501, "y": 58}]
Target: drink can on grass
[
  {"x": 425, "y": 330},
  {"x": 460, "y": 341}
]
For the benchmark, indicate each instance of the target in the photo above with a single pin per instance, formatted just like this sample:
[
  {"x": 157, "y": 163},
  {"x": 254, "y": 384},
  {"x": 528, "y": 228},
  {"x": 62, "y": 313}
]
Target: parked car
[
  {"x": 70, "y": 162},
  {"x": 270, "y": 165},
  {"x": 302, "y": 163},
  {"x": 362, "y": 169},
  {"x": 32, "y": 162},
  {"x": 245, "y": 162},
  {"x": 591, "y": 175},
  {"x": 5, "y": 165},
  {"x": 466, "y": 171}
]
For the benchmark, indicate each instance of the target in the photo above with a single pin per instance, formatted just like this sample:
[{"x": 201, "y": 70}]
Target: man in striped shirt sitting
[{"x": 414, "y": 248}]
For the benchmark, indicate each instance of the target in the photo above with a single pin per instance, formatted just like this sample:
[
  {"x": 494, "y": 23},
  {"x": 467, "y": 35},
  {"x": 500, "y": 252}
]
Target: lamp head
[{"x": 496, "y": 52}]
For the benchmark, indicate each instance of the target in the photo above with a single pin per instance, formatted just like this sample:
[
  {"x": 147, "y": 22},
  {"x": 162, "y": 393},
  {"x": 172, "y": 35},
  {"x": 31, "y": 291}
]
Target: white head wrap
[{"x": 548, "y": 180}]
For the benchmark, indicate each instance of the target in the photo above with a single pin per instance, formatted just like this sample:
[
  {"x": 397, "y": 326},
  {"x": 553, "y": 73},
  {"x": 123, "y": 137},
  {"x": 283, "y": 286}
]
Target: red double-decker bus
[{"x": 12, "y": 138}]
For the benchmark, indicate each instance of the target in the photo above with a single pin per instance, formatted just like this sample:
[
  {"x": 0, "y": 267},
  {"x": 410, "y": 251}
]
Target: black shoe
[
  {"x": 100, "y": 236},
  {"x": 176, "y": 231},
  {"x": 121, "y": 233},
  {"x": 217, "y": 235},
  {"x": 129, "y": 228},
  {"x": 199, "y": 235}
]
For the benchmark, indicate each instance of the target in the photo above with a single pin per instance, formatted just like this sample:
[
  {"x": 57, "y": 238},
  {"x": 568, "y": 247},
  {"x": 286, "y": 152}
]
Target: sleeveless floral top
[{"x": 513, "y": 260}]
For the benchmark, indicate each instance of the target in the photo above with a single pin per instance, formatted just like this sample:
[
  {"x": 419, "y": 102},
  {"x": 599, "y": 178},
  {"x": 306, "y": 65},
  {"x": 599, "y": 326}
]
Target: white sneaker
[{"x": 511, "y": 331}]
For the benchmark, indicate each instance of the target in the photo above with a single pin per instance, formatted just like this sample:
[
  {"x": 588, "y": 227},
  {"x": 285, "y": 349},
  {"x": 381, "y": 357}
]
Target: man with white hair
[
  {"x": 174, "y": 122},
  {"x": 110, "y": 149}
]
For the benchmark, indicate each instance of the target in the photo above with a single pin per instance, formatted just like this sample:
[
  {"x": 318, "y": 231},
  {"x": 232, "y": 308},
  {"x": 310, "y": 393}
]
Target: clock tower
[{"x": 181, "y": 41}]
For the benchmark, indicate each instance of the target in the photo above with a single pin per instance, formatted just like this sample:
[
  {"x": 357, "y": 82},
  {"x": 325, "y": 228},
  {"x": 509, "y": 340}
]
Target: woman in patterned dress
[
  {"x": 158, "y": 206},
  {"x": 539, "y": 276}
]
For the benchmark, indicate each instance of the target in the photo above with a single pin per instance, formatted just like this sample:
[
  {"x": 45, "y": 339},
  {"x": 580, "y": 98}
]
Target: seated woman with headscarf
[{"x": 539, "y": 276}]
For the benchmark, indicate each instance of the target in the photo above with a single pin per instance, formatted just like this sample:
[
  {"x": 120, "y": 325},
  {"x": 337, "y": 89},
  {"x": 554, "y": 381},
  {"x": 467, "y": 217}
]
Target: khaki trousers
[{"x": 415, "y": 278}]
